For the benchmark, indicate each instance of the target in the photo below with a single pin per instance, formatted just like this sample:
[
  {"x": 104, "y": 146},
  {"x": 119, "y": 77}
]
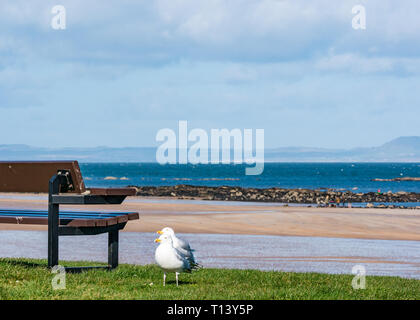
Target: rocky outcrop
[
  {"x": 302, "y": 196},
  {"x": 398, "y": 179}
]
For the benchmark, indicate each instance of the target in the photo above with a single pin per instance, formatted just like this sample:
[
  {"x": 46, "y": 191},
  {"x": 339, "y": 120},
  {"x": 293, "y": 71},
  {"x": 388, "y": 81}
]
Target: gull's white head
[
  {"x": 167, "y": 230},
  {"x": 164, "y": 238}
]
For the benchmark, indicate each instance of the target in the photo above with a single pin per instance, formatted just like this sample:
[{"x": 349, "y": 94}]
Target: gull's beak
[
  {"x": 160, "y": 232},
  {"x": 157, "y": 240}
]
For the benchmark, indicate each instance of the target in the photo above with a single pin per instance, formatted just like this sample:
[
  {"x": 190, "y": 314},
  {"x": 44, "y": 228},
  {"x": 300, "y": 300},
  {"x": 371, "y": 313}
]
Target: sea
[{"x": 355, "y": 177}]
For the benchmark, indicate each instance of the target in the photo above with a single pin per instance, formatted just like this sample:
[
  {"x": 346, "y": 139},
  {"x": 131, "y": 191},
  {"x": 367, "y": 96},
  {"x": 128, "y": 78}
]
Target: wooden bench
[{"x": 63, "y": 182}]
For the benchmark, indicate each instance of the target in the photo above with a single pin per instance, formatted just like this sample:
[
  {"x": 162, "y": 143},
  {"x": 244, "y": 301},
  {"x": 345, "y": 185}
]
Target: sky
[{"x": 121, "y": 70}]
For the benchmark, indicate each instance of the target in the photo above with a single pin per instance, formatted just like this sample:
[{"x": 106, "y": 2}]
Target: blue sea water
[{"x": 356, "y": 177}]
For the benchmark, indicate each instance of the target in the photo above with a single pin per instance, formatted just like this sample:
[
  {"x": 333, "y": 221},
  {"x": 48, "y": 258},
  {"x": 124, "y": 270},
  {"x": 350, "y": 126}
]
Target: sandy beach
[{"x": 245, "y": 218}]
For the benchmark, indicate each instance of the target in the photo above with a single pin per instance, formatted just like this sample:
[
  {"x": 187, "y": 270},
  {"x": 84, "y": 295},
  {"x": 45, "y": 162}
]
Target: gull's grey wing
[
  {"x": 186, "y": 262},
  {"x": 184, "y": 244}
]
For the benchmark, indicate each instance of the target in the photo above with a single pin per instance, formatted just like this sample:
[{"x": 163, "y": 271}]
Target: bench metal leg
[
  {"x": 52, "y": 236},
  {"x": 113, "y": 249},
  {"x": 53, "y": 220}
]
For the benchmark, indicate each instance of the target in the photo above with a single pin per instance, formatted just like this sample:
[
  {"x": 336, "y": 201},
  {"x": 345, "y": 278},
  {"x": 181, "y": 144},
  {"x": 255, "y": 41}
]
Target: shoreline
[{"x": 245, "y": 218}]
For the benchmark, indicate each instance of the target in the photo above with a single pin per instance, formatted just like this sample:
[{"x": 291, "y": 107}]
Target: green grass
[{"x": 30, "y": 279}]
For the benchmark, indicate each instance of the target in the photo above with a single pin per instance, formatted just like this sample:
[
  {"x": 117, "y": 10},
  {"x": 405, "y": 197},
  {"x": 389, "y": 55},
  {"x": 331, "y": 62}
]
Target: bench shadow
[
  {"x": 180, "y": 282},
  {"x": 25, "y": 264}
]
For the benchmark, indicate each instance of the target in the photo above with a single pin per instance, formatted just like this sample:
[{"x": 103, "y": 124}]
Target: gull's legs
[
  {"x": 176, "y": 276},
  {"x": 164, "y": 278}
]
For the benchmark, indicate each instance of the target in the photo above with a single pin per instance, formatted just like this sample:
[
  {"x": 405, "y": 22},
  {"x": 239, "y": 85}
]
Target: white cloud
[
  {"x": 354, "y": 63},
  {"x": 358, "y": 64},
  {"x": 163, "y": 31}
]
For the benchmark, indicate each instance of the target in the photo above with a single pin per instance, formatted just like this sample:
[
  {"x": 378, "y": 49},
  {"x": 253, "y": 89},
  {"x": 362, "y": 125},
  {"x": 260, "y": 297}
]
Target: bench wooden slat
[
  {"x": 86, "y": 214},
  {"x": 67, "y": 218},
  {"x": 34, "y": 176}
]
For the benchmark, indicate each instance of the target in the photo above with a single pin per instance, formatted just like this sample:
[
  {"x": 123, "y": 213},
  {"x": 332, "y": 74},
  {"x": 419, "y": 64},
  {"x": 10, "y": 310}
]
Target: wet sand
[{"x": 246, "y": 218}]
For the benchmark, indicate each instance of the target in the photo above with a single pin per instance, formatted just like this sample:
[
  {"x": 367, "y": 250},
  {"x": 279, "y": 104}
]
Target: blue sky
[{"x": 123, "y": 69}]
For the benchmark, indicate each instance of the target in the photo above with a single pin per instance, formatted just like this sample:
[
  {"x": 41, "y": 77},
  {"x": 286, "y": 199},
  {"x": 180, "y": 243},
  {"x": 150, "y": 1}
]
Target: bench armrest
[{"x": 113, "y": 191}]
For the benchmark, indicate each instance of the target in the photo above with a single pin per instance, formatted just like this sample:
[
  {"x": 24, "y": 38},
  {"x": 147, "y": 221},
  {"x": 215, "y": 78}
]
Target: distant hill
[
  {"x": 98, "y": 154},
  {"x": 402, "y": 149},
  {"x": 403, "y": 145}
]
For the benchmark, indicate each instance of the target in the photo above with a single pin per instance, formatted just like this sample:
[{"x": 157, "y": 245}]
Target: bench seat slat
[
  {"x": 87, "y": 215},
  {"x": 67, "y": 218},
  {"x": 60, "y": 216}
]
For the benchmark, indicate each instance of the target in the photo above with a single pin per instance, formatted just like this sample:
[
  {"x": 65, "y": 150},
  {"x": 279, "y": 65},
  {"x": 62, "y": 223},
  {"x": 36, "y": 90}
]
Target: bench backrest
[{"x": 33, "y": 176}]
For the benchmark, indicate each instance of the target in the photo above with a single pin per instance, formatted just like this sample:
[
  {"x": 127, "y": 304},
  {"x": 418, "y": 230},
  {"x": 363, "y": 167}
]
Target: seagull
[
  {"x": 181, "y": 245},
  {"x": 170, "y": 259}
]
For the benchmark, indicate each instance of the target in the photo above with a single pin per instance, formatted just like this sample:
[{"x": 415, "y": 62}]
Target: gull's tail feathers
[{"x": 196, "y": 266}]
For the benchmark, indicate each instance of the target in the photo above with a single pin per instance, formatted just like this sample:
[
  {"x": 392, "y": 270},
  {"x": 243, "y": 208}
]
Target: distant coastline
[{"x": 401, "y": 149}]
